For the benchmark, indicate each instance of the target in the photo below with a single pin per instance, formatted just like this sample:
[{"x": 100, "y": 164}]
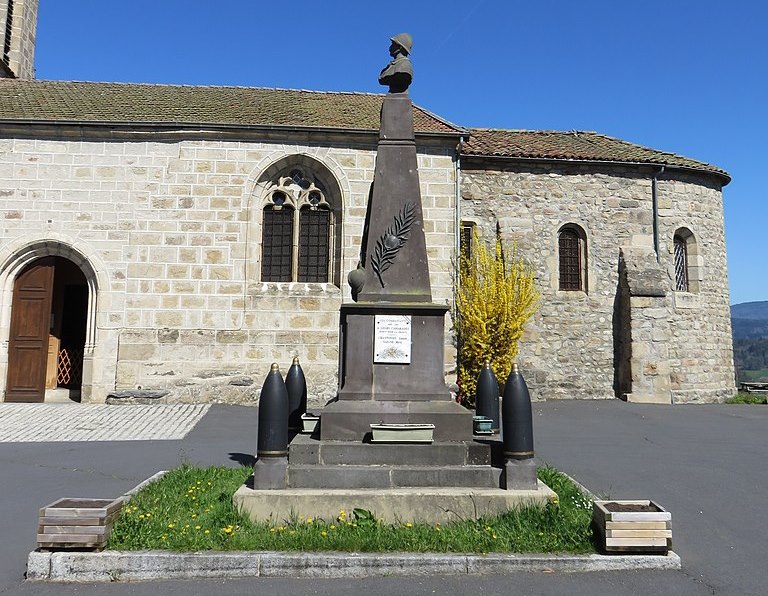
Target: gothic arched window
[
  {"x": 572, "y": 258},
  {"x": 297, "y": 231}
]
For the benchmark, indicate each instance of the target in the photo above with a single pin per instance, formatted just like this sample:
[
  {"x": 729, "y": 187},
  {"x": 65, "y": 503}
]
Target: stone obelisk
[{"x": 392, "y": 336}]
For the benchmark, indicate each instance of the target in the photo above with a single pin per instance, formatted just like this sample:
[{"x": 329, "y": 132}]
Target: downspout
[{"x": 655, "y": 207}]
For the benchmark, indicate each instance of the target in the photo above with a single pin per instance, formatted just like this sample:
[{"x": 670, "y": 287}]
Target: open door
[{"x": 30, "y": 327}]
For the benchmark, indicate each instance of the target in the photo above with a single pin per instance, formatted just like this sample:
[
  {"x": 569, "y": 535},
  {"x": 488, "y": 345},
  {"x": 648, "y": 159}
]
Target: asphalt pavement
[{"x": 704, "y": 463}]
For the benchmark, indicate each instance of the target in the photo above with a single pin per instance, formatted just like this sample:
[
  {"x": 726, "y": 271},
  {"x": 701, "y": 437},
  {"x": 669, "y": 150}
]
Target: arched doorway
[{"x": 47, "y": 332}]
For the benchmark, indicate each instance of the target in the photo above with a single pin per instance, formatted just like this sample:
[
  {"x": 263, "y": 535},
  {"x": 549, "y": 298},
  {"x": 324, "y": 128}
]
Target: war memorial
[{"x": 427, "y": 466}]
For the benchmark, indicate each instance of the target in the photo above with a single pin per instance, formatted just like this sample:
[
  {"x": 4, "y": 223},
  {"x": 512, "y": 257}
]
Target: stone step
[
  {"x": 305, "y": 450},
  {"x": 341, "y": 476}
]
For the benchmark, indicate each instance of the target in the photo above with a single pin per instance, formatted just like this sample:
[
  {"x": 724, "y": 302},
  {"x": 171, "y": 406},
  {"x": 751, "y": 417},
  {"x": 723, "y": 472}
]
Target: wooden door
[{"x": 30, "y": 325}]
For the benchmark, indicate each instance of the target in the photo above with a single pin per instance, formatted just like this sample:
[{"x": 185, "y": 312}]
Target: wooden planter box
[
  {"x": 632, "y": 526},
  {"x": 77, "y": 523},
  {"x": 402, "y": 433}
]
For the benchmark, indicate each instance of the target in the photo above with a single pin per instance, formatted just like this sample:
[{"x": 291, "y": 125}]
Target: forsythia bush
[{"x": 496, "y": 297}]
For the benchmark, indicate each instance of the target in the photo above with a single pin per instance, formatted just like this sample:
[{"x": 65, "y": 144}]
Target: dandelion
[
  {"x": 197, "y": 527},
  {"x": 332, "y": 527},
  {"x": 207, "y": 532},
  {"x": 194, "y": 515},
  {"x": 273, "y": 530},
  {"x": 141, "y": 516},
  {"x": 408, "y": 524},
  {"x": 310, "y": 520},
  {"x": 171, "y": 526},
  {"x": 342, "y": 516},
  {"x": 281, "y": 529},
  {"x": 323, "y": 533}
]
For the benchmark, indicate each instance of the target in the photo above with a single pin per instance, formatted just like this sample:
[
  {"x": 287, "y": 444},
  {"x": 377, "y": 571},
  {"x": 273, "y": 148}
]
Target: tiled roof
[
  {"x": 130, "y": 103},
  {"x": 63, "y": 101},
  {"x": 572, "y": 145}
]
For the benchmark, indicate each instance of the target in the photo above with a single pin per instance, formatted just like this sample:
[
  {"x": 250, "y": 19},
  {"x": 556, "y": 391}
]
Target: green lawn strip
[
  {"x": 742, "y": 397},
  {"x": 190, "y": 509}
]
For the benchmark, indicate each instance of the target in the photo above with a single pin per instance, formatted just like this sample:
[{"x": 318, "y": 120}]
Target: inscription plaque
[{"x": 392, "y": 339}]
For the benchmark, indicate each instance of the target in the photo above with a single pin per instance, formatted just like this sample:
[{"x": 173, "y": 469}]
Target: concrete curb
[
  {"x": 124, "y": 566},
  {"x": 115, "y": 566}
]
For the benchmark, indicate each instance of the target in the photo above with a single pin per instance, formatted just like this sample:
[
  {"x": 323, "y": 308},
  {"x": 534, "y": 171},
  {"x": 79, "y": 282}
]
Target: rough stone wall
[
  {"x": 173, "y": 230},
  {"x": 568, "y": 350},
  {"x": 701, "y": 346}
]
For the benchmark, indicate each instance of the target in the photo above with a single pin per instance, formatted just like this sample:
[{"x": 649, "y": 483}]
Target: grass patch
[
  {"x": 191, "y": 509},
  {"x": 742, "y": 397}
]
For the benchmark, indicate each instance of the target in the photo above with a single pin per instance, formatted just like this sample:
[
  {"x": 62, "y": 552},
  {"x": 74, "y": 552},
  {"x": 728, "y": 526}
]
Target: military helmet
[{"x": 404, "y": 40}]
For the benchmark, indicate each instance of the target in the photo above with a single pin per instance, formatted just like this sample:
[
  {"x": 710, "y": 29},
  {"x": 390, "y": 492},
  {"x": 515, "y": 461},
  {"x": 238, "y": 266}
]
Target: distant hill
[
  {"x": 749, "y": 321},
  {"x": 750, "y": 310}
]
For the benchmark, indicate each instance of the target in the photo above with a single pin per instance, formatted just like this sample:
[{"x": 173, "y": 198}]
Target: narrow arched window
[
  {"x": 686, "y": 261},
  {"x": 465, "y": 239},
  {"x": 572, "y": 258},
  {"x": 681, "y": 264}
]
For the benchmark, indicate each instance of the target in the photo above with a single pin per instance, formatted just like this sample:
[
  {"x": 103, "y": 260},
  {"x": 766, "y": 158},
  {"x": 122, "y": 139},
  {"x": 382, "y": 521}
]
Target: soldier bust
[{"x": 398, "y": 74}]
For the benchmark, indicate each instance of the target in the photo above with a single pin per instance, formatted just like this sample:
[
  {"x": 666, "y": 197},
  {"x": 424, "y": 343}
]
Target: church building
[{"x": 179, "y": 239}]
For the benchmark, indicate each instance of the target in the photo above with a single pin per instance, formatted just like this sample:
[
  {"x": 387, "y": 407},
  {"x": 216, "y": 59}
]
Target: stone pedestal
[{"x": 413, "y": 392}]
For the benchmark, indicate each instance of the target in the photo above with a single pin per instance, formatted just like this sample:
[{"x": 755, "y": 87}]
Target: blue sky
[{"x": 685, "y": 76}]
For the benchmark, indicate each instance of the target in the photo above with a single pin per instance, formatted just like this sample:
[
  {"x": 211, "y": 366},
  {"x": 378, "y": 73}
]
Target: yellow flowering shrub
[{"x": 496, "y": 296}]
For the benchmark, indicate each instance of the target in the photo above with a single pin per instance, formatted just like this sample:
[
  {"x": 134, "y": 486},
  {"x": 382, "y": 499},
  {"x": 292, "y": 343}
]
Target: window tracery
[{"x": 297, "y": 230}]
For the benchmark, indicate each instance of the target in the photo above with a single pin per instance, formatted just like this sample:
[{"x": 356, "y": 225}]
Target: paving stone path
[{"x": 97, "y": 422}]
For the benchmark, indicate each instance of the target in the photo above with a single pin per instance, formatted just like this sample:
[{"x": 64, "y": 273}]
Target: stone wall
[
  {"x": 21, "y": 57},
  {"x": 172, "y": 232},
  {"x": 571, "y": 347},
  {"x": 701, "y": 345}
]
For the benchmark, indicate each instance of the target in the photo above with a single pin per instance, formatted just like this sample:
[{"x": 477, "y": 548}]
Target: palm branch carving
[{"x": 392, "y": 240}]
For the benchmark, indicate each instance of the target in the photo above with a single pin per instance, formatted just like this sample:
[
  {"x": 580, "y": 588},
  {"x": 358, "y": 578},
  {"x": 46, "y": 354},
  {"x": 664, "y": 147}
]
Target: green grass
[
  {"x": 191, "y": 509},
  {"x": 742, "y": 397}
]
